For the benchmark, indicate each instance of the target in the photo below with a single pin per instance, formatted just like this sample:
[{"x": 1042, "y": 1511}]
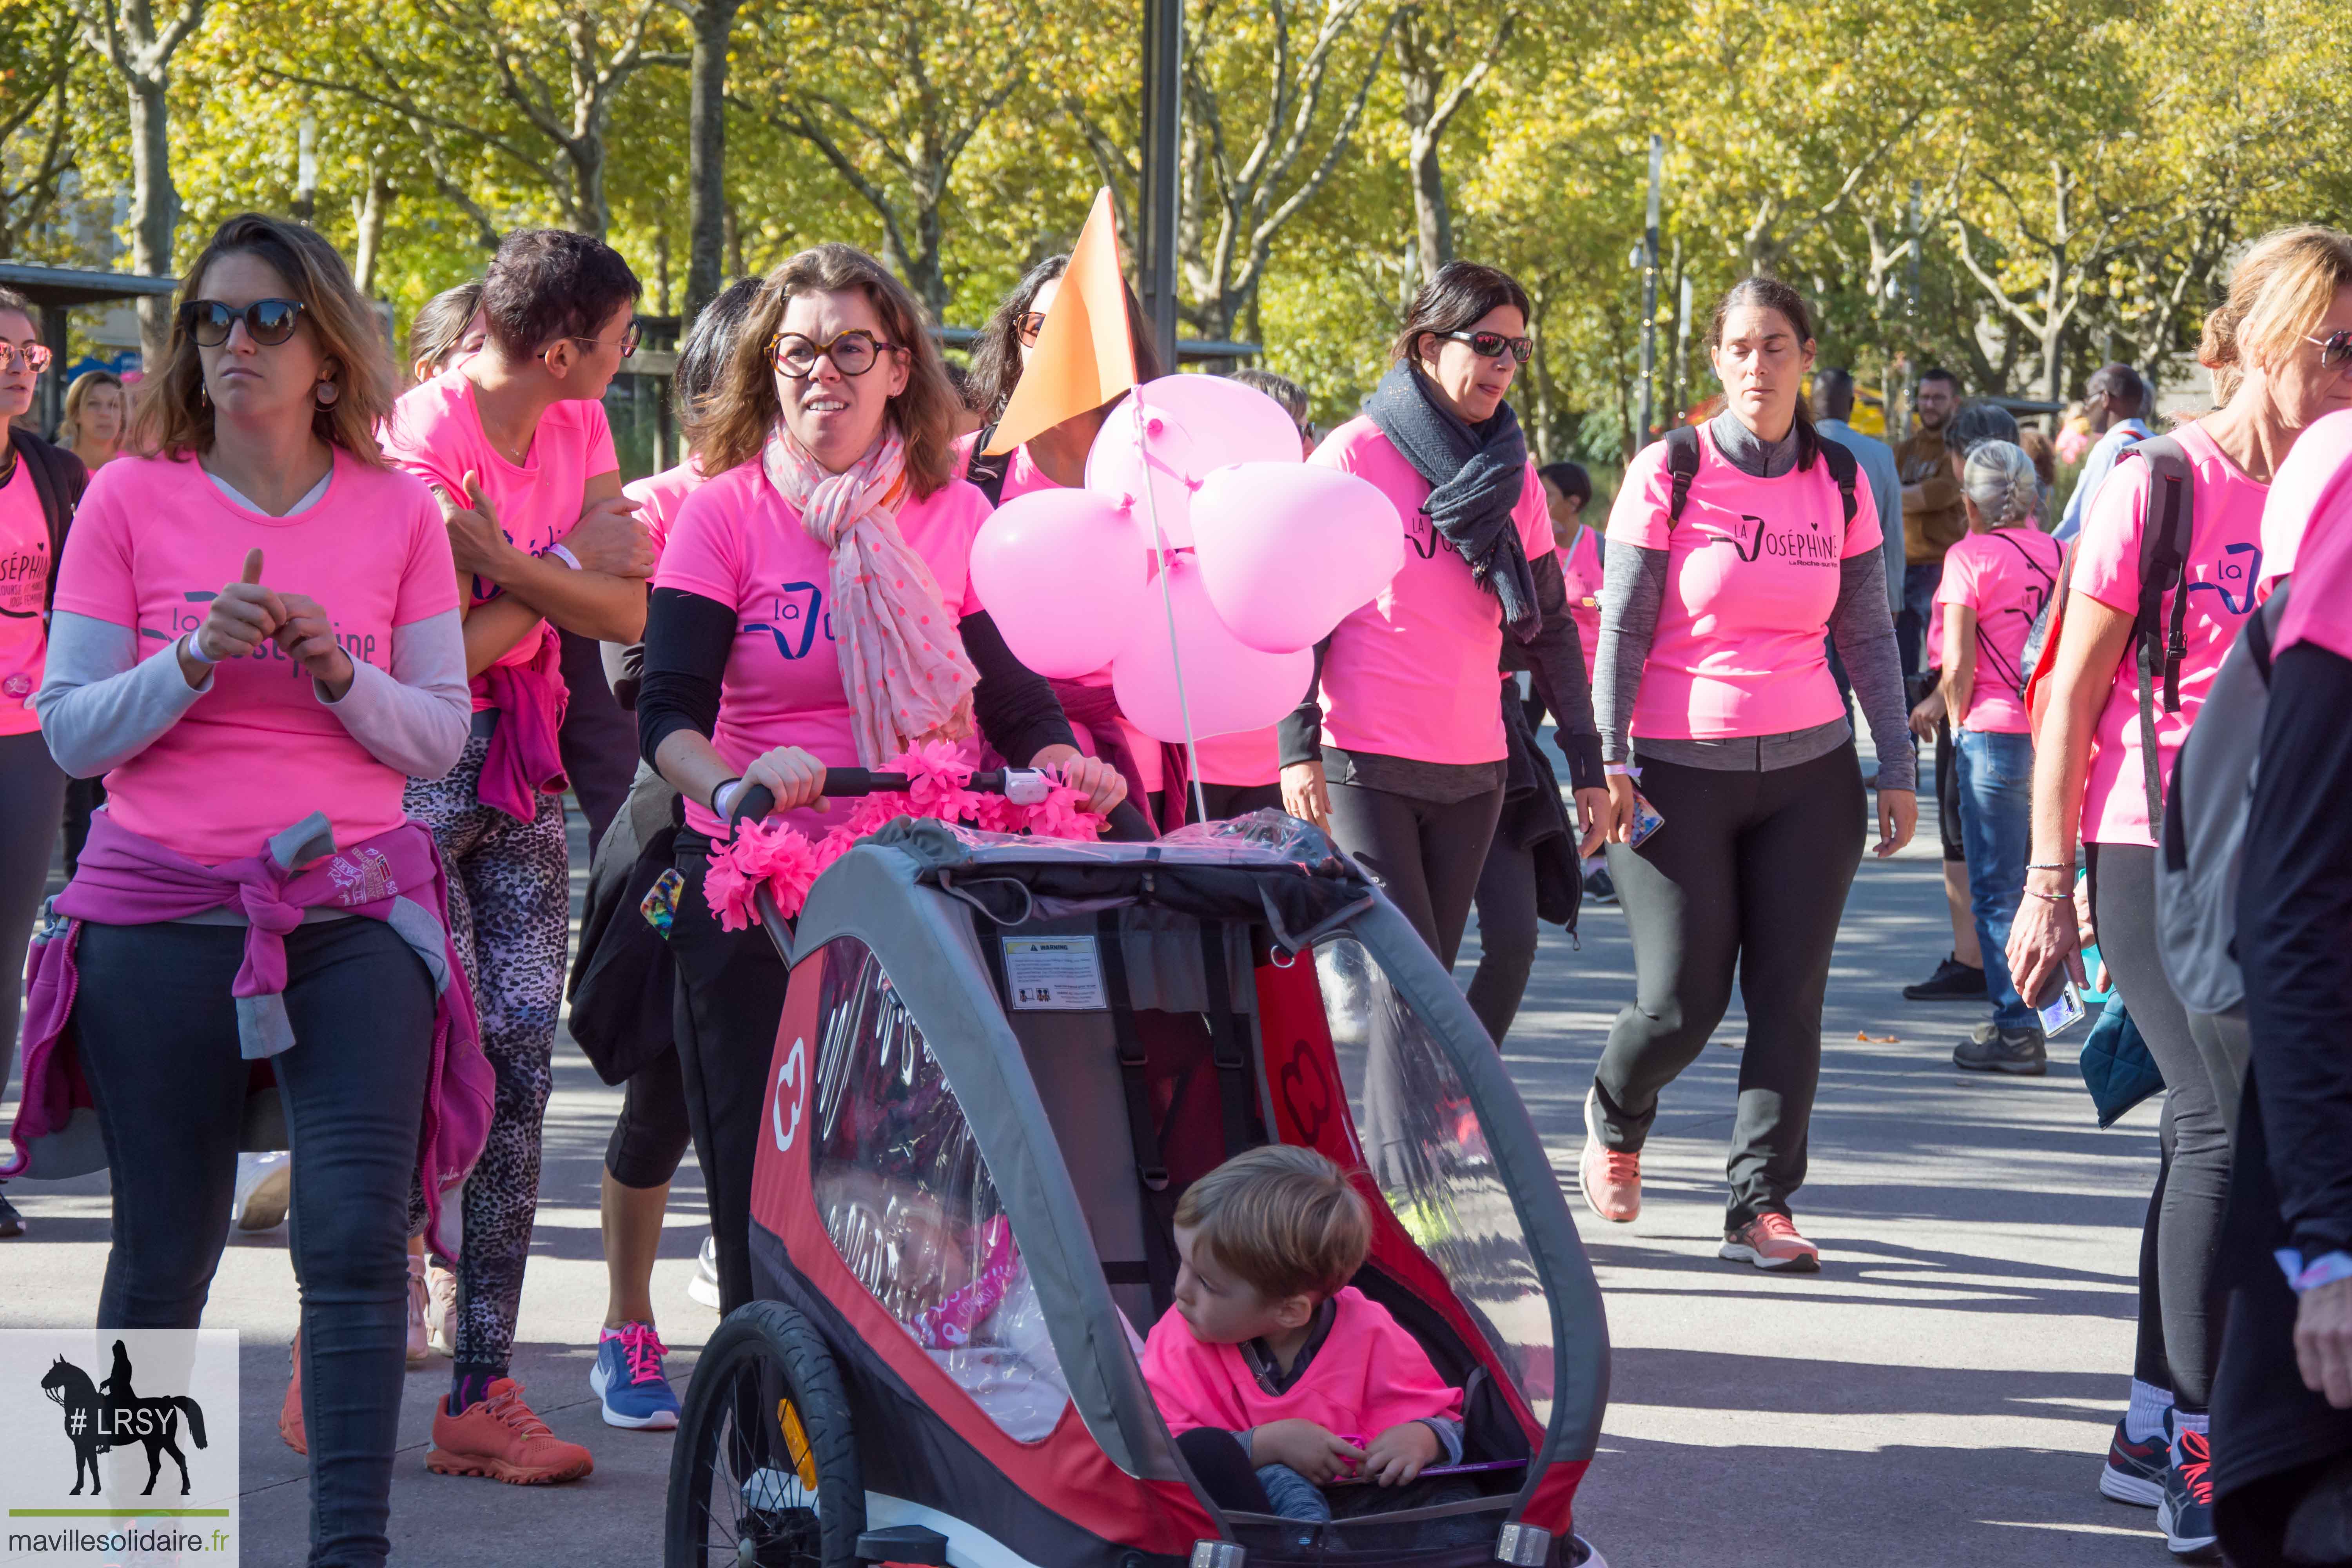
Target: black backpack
[
  {"x": 987, "y": 474},
  {"x": 1682, "y": 468},
  {"x": 2157, "y": 646}
]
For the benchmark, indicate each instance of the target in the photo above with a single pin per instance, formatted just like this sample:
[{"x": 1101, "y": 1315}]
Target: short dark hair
[
  {"x": 1281, "y": 388},
  {"x": 551, "y": 283},
  {"x": 1977, "y": 423},
  {"x": 1832, "y": 393},
  {"x": 2123, "y": 387},
  {"x": 1461, "y": 293},
  {"x": 702, "y": 358},
  {"x": 1937, "y": 372},
  {"x": 1569, "y": 479}
]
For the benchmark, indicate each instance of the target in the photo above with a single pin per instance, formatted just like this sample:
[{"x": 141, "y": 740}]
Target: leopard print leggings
[{"x": 510, "y": 912}]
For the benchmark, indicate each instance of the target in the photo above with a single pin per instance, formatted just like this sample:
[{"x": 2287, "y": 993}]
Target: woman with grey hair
[{"x": 1995, "y": 582}]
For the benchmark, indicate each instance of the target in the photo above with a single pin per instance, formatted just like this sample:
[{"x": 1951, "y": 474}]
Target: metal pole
[
  {"x": 306, "y": 168},
  {"x": 1911, "y": 314},
  {"x": 1650, "y": 293},
  {"x": 1163, "y": 46}
]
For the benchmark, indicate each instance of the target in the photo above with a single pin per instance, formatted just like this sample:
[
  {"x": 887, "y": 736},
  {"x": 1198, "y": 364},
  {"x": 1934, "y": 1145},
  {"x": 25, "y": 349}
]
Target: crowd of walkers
[{"x": 311, "y": 666}]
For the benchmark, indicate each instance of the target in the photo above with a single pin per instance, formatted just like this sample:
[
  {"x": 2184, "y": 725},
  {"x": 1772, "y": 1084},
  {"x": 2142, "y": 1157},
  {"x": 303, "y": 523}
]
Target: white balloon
[
  {"x": 1228, "y": 685},
  {"x": 1288, "y": 550}
]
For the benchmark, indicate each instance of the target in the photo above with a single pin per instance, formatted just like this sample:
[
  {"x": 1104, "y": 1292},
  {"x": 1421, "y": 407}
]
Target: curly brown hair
[
  {"x": 734, "y": 423},
  {"x": 173, "y": 419}
]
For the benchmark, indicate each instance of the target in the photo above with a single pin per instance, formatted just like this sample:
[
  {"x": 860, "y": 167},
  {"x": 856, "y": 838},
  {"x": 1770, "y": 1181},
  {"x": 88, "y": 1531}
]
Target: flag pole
[{"x": 1168, "y": 606}]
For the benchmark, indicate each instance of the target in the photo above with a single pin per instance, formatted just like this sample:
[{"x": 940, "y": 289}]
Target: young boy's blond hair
[{"x": 1282, "y": 1219}]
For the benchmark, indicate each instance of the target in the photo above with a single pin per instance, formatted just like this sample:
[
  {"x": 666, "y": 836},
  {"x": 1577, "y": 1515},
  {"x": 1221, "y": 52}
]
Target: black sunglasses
[
  {"x": 1494, "y": 345},
  {"x": 267, "y": 322},
  {"x": 1029, "y": 326},
  {"x": 2335, "y": 349}
]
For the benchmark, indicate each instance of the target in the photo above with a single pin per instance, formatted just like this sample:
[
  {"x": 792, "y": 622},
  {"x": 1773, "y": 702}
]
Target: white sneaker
[
  {"x": 265, "y": 1185},
  {"x": 441, "y": 1312},
  {"x": 703, "y": 1289},
  {"x": 419, "y": 1300}
]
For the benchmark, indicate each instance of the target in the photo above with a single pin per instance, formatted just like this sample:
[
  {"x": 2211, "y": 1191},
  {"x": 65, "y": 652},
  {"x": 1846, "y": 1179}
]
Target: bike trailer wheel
[{"x": 764, "y": 1473}]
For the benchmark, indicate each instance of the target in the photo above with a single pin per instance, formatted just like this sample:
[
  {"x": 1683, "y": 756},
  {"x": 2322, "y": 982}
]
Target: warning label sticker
[{"x": 1058, "y": 973}]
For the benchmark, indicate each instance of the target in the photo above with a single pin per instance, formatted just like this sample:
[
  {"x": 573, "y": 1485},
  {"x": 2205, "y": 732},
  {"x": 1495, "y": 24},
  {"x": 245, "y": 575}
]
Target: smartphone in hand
[
  {"x": 1646, "y": 821},
  {"x": 2062, "y": 1010}
]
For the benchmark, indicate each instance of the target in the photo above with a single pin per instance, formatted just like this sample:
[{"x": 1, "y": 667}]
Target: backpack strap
[
  {"x": 2166, "y": 529},
  {"x": 987, "y": 474},
  {"x": 1844, "y": 469},
  {"x": 2261, "y": 630},
  {"x": 1682, "y": 468}
]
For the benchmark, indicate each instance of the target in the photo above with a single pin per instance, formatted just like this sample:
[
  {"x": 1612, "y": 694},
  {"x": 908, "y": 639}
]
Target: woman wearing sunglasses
[
  {"x": 2280, "y": 348},
  {"x": 1400, "y": 750},
  {"x": 513, "y": 443},
  {"x": 257, "y": 639},
  {"x": 39, "y": 486},
  {"x": 833, "y": 529},
  {"x": 1056, "y": 458},
  {"x": 1715, "y": 692}
]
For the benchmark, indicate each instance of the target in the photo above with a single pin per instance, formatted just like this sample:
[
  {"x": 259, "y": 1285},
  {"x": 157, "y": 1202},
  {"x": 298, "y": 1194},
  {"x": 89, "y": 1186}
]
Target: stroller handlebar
[{"x": 1026, "y": 785}]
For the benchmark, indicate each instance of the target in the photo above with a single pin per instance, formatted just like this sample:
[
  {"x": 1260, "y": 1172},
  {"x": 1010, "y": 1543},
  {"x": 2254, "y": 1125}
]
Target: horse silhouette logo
[{"x": 112, "y": 1416}]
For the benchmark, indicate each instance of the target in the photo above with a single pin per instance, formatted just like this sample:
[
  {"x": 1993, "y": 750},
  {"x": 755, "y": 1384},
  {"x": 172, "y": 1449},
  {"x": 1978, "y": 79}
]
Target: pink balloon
[
  {"x": 1286, "y": 550},
  {"x": 1229, "y": 685},
  {"x": 1065, "y": 578},
  {"x": 1191, "y": 427}
]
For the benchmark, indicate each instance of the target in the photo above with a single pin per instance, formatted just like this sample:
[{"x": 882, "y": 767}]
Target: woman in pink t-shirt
[
  {"x": 833, "y": 529},
  {"x": 1715, "y": 692},
  {"x": 2267, "y": 347},
  {"x": 257, "y": 621},
  {"x": 1995, "y": 582},
  {"x": 1056, "y": 458},
  {"x": 1400, "y": 751}
]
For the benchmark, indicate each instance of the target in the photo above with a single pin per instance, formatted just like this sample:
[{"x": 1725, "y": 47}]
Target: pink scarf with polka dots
[{"x": 902, "y": 661}]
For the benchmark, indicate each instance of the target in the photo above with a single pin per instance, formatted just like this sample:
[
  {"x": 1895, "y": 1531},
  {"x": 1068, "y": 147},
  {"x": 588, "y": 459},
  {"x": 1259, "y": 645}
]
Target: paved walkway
[{"x": 1939, "y": 1394}]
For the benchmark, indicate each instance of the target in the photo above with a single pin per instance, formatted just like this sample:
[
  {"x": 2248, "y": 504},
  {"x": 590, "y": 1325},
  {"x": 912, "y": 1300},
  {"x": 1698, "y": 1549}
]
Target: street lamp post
[
  {"x": 1163, "y": 46},
  {"x": 1650, "y": 293}
]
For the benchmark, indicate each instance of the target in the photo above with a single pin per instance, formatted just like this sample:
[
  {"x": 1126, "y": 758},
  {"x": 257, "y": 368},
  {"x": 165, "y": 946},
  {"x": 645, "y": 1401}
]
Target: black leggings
[
  {"x": 1239, "y": 800},
  {"x": 651, "y": 1134},
  {"x": 1425, "y": 856},
  {"x": 1507, "y": 935},
  {"x": 159, "y": 1043},
  {"x": 1749, "y": 875},
  {"x": 730, "y": 997},
  {"x": 2195, "y": 1182}
]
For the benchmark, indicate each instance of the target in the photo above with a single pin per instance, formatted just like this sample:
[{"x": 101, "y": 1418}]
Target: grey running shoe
[{"x": 2018, "y": 1051}]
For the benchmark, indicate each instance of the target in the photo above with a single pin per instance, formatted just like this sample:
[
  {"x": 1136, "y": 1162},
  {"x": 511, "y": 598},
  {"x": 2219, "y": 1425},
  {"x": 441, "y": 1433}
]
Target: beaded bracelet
[{"x": 2053, "y": 898}]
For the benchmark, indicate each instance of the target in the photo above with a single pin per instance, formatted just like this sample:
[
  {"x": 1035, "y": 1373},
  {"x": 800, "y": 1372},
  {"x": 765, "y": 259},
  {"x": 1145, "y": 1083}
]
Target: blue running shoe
[
  {"x": 627, "y": 1377},
  {"x": 2134, "y": 1472},
  {"x": 2185, "y": 1513}
]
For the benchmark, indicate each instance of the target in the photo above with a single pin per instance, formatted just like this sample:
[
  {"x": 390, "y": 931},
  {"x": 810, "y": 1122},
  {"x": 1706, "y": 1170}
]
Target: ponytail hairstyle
[
  {"x": 2278, "y": 292},
  {"x": 2000, "y": 481},
  {"x": 1768, "y": 293}
]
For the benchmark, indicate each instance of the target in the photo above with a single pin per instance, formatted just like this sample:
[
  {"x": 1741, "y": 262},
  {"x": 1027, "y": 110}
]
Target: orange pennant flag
[{"x": 1084, "y": 356}]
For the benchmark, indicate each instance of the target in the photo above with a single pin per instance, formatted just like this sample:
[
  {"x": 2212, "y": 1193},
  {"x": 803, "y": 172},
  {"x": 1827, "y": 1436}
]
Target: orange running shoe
[
  {"x": 1770, "y": 1241},
  {"x": 502, "y": 1440},
  {"x": 290, "y": 1414},
  {"x": 1611, "y": 1179}
]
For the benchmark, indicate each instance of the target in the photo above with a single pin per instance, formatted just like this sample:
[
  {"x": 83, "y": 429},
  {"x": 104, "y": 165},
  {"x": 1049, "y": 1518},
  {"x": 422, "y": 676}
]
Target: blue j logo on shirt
[
  {"x": 2234, "y": 578},
  {"x": 1751, "y": 537},
  {"x": 793, "y": 621}
]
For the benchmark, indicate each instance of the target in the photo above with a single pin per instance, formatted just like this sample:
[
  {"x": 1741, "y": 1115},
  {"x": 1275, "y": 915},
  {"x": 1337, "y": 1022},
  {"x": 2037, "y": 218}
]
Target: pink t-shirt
[
  {"x": 2005, "y": 576},
  {"x": 737, "y": 542},
  {"x": 1369, "y": 1376},
  {"x": 2225, "y": 559},
  {"x": 1579, "y": 570},
  {"x": 1246, "y": 758},
  {"x": 152, "y": 543},
  {"x": 660, "y": 496},
  {"x": 24, "y": 585},
  {"x": 1740, "y": 644},
  {"x": 434, "y": 431},
  {"x": 1411, "y": 674},
  {"x": 2320, "y": 611}
]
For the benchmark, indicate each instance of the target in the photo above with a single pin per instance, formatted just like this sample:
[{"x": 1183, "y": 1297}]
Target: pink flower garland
[{"x": 787, "y": 862}]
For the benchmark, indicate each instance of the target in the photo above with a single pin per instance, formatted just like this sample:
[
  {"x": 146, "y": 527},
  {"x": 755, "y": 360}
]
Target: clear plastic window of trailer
[{"x": 907, "y": 1199}]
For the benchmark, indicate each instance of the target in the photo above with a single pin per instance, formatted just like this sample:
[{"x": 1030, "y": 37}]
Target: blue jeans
[
  {"x": 1996, "y": 778},
  {"x": 1919, "y": 586}
]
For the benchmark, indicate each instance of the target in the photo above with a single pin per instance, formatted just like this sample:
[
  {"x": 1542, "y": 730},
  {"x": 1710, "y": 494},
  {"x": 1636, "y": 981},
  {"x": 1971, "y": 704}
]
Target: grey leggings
[
  {"x": 2196, "y": 1179},
  {"x": 1426, "y": 855},
  {"x": 159, "y": 1044},
  {"x": 32, "y": 809},
  {"x": 1749, "y": 875}
]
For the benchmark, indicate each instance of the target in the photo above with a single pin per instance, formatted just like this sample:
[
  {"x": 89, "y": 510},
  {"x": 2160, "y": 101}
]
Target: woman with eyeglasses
[
  {"x": 513, "y": 443},
  {"x": 1399, "y": 749},
  {"x": 1056, "y": 458},
  {"x": 833, "y": 528},
  {"x": 1722, "y": 587},
  {"x": 2280, "y": 348},
  {"x": 257, "y": 639},
  {"x": 40, "y": 487}
]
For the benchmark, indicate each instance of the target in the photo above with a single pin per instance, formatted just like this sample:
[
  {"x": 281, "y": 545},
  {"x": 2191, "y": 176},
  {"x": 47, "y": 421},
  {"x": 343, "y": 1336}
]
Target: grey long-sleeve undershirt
[
  {"x": 1634, "y": 587},
  {"x": 100, "y": 704}
]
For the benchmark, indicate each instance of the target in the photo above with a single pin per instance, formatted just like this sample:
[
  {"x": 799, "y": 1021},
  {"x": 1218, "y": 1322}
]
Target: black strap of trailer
[
  {"x": 1229, "y": 1042},
  {"x": 1150, "y": 1166}
]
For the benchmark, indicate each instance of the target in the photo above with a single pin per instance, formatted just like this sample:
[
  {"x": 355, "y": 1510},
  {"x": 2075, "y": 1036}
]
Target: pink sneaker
[
  {"x": 1769, "y": 1241},
  {"x": 1611, "y": 1180}
]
